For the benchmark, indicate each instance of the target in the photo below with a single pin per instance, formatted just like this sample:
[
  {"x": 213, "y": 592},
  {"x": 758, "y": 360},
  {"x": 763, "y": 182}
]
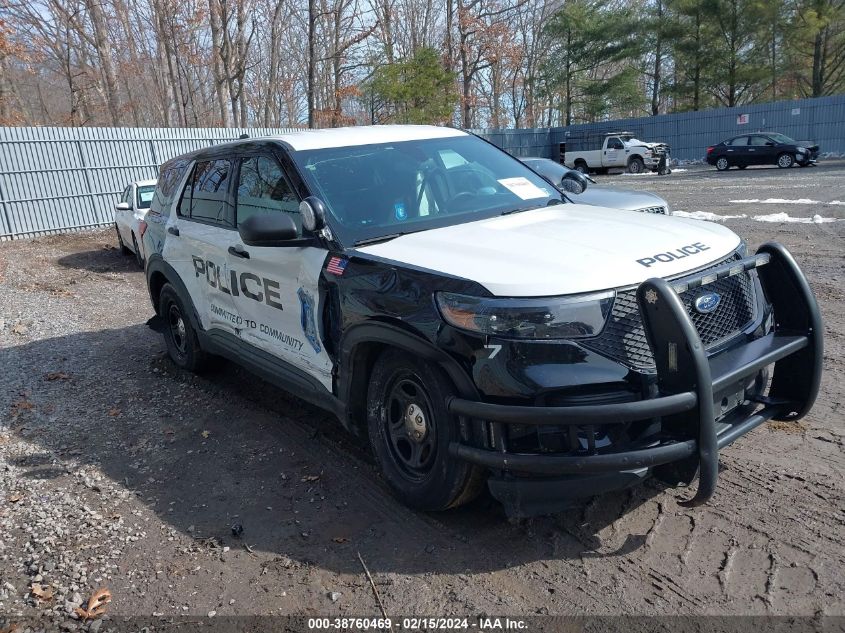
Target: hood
[
  {"x": 614, "y": 198},
  {"x": 564, "y": 249}
]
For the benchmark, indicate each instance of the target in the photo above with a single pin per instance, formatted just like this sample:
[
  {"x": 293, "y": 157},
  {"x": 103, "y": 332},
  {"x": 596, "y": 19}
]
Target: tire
[
  {"x": 582, "y": 167},
  {"x": 138, "y": 257},
  {"x": 743, "y": 166},
  {"x": 410, "y": 431},
  {"x": 636, "y": 165},
  {"x": 182, "y": 342},
  {"x": 722, "y": 164},
  {"x": 123, "y": 249},
  {"x": 785, "y": 161}
]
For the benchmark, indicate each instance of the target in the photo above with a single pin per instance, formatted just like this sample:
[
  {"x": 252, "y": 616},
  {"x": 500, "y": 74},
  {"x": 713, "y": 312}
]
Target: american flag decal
[{"x": 337, "y": 265}]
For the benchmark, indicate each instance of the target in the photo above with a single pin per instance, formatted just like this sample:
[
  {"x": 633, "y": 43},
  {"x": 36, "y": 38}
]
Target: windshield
[
  {"x": 782, "y": 138},
  {"x": 382, "y": 190},
  {"x": 145, "y": 196}
]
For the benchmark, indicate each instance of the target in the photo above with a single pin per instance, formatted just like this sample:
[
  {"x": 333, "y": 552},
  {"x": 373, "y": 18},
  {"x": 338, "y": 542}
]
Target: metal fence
[
  {"x": 55, "y": 179},
  {"x": 690, "y": 133}
]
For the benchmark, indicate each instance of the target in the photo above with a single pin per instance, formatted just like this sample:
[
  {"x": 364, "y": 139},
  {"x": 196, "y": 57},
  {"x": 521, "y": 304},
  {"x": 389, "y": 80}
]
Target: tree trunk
[{"x": 104, "y": 53}]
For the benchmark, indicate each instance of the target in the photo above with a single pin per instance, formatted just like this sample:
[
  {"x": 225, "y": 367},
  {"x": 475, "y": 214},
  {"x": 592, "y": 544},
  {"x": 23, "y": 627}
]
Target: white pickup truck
[{"x": 618, "y": 150}]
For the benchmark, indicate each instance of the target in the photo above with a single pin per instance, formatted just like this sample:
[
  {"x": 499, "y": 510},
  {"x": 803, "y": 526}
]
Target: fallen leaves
[
  {"x": 309, "y": 478},
  {"x": 340, "y": 539},
  {"x": 10, "y": 629},
  {"x": 19, "y": 328},
  {"x": 205, "y": 434},
  {"x": 56, "y": 375},
  {"x": 96, "y": 605},
  {"x": 22, "y": 405},
  {"x": 114, "y": 412},
  {"x": 14, "y": 497},
  {"x": 42, "y": 594}
]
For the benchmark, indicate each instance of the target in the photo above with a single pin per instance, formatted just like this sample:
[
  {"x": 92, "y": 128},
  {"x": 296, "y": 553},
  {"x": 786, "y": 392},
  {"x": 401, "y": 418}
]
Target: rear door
[
  {"x": 277, "y": 295},
  {"x": 205, "y": 223},
  {"x": 737, "y": 150}
]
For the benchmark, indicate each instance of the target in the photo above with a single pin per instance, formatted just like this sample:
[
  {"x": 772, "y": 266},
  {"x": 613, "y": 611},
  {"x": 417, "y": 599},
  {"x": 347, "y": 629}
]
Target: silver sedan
[{"x": 575, "y": 185}]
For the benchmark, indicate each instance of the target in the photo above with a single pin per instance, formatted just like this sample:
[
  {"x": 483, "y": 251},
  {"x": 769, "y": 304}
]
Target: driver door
[{"x": 277, "y": 294}]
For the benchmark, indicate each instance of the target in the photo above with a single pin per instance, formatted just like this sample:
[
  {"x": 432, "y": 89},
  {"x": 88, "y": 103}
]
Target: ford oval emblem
[{"x": 707, "y": 302}]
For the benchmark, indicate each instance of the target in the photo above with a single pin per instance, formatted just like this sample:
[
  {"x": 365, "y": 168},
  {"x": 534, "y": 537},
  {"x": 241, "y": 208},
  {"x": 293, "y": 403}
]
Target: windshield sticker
[
  {"x": 399, "y": 211},
  {"x": 523, "y": 188},
  {"x": 309, "y": 328},
  {"x": 146, "y": 196}
]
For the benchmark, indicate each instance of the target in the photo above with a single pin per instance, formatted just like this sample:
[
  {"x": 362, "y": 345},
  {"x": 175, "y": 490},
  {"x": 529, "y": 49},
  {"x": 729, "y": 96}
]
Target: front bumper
[{"x": 689, "y": 384}]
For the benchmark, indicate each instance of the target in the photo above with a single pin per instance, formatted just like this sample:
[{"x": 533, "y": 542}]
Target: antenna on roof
[{"x": 244, "y": 135}]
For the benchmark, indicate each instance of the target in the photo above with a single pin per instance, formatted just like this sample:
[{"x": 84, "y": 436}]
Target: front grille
[
  {"x": 623, "y": 338},
  {"x": 657, "y": 209}
]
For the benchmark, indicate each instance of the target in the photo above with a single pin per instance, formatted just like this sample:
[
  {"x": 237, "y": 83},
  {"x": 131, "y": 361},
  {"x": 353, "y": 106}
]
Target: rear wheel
[
  {"x": 636, "y": 165},
  {"x": 182, "y": 342},
  {"x": 581, "y": 166},
  {"x": 410, "y": 431},
  {"x": 722, "y": 164},
  {"x": 786, "y": 160}
]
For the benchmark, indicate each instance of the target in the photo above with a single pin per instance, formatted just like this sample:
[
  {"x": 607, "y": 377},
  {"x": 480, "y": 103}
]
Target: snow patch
[
  {"x": 786, "y": 218},
  {"x": 707, "y": 215},
  {"x": 775, "y": 201}
]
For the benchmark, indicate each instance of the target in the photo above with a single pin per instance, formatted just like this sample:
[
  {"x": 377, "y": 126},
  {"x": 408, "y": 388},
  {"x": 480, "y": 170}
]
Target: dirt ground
[{"x": 118, "y": 471}]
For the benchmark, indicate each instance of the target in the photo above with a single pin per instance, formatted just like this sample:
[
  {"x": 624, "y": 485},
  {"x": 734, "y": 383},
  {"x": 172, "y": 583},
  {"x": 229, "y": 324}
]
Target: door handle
[
  {"x": 238, "y": 251},
  {"x": 173, "y": 230}
]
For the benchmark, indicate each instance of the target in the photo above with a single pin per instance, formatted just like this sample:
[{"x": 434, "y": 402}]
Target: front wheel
[
  {"x": 722, "y": 164},
  {"x": 410, "y": 431},
  {"x": 636, "y": 165},
  {"x": 123, "y": 249},
  {"x": 785, "y": 161},
  {"x": 139, "y": 259}
]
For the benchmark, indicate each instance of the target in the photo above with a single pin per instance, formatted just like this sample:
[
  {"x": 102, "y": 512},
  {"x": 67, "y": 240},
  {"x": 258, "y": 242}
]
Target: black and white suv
[{"x": 438, "y": 295}]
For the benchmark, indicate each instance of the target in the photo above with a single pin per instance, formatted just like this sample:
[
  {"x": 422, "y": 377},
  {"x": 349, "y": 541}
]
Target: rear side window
[
  {"x": 739, "y": 140},
  {"x": 263, "y": 188},
  {"x": 206, "y": 196}
]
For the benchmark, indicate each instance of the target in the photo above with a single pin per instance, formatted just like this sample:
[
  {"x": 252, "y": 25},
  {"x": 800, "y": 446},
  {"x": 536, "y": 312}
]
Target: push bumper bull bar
[{"x": 687, "y": 382}]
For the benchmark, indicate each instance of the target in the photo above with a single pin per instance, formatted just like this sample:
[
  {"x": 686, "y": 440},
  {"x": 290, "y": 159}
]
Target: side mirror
[
  {"x": 122, "y": 206},
  {"x": 574, "y": 181},
  {"x": 267, "y": 229},
  {"x": 313, "y": 213},
  {"x": 770, "y": 143}
]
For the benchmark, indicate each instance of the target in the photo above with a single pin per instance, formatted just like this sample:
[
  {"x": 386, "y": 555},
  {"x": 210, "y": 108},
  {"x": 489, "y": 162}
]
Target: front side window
[
  {"x": 615, "y": 143},
  {"x": 263, "y": 188},
  {"x": 759, "y": 141},
  {"x": 379, "y": 190},
  {"x": 206, "y": 196}
]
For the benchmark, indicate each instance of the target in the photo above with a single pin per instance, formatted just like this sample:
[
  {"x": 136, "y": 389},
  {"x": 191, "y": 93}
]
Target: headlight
[
  {"x": 801, "y": 150},
  {"x": 573, "y": 316}
]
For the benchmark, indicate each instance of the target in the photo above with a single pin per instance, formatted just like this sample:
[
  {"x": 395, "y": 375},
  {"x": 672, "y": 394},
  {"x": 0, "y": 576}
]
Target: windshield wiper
[
  {"x": 380, "y": 238},
  {"x": 550, "y": 203}
]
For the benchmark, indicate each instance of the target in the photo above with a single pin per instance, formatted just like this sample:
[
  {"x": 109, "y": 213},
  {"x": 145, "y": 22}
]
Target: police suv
[{"x": 440, "y": 296}]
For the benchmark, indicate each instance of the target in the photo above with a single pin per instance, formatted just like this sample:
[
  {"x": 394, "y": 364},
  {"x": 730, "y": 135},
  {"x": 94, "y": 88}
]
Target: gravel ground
[{"x": 117, "y": 471}]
